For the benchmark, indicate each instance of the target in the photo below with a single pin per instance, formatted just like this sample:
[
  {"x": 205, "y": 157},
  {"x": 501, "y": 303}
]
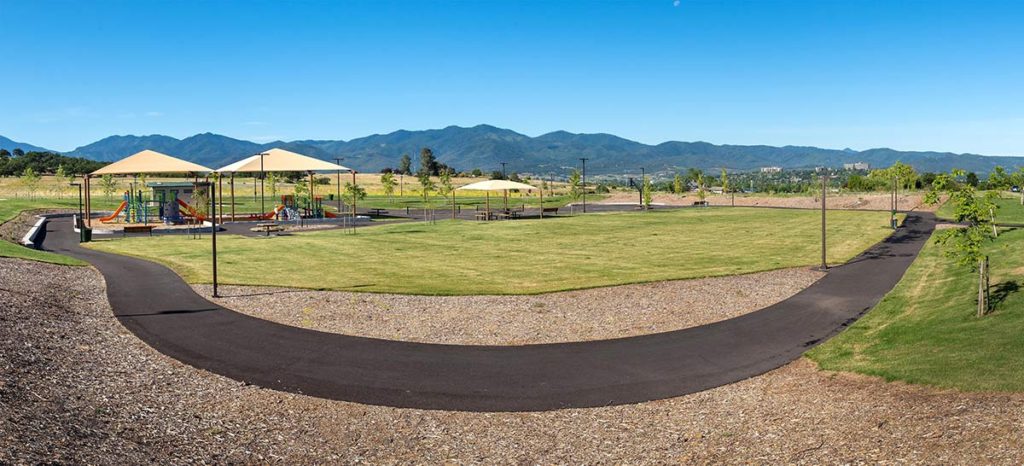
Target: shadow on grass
[{"x": 1002, "y": 291}]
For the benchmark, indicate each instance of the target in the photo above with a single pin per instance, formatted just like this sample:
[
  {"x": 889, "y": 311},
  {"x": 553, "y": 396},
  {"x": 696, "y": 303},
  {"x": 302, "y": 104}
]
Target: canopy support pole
[
  {"x": 488, "y": 194},
  {"x": 220, "y": 193},
  {"x": 232, "y": 185},
  {"x": 353, "y": 197}
]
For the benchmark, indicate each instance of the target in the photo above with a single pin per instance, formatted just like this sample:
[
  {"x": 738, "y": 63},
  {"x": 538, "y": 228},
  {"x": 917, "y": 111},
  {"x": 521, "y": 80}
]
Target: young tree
[
  {"x": 999, "y": 179},
  {"x": 515, "y": 177},
  {"x": 477, "y": 173},
  {"x": 677, "y": 184},
  {"x": 405, "y": 165},
  {"x": 62, "y": 179},
  {"x": 702, "y": 193},
  {"x": 108, "y": 184},
  {"x": 387, "y": 180},
  {"x": 445, "y": 188},
  {"x": 966, "y": 244},
  {"x": 575, "y": 188},
  {"x": 30, "y": 180},
  {"x": 354, "y": 192},
  {"x": 270, "y": 181},
  {"x": 725, "y": 181},
  {"x": 426, "y": 186},
  {"x": 647, "y": 192},
  {"x": 1018, "y": 179}
]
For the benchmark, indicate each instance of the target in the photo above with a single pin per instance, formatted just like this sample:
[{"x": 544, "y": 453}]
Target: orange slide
[
  {"x": 111, "y": 217},
  {"x": 191, "y": 211},
  {"x": 330, "y": 214}
]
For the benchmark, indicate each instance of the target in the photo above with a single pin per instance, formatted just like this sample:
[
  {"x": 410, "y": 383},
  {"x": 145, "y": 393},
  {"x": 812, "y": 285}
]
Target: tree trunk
[{"x": 982, "y": 286}]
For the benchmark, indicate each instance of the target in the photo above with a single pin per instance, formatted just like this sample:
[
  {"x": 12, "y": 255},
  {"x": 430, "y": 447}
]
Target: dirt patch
[
  {"x": 76, "y": 387},
  {"x": 593, "y": 314},
  {"x": 15, "y": 229},
  {"x": 863, "y": 201}
]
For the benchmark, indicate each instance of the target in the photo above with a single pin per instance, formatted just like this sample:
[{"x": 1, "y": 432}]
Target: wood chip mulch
[{"x": 76, "y": 387}]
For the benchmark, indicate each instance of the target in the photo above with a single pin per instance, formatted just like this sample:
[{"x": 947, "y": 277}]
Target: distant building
[
  {"x": 771, "y": 169},
  {"x": 857, "y": 166}
]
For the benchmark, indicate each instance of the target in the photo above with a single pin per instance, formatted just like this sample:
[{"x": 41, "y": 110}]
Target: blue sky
[{"x": 923, "y": 75}]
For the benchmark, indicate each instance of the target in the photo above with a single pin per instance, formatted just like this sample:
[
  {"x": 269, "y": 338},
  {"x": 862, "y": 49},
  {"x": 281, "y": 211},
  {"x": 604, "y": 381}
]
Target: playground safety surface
[{"x": 157, "y": 306}]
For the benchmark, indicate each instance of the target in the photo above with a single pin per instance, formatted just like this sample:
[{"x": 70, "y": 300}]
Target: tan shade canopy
[
  {"x": 497, "y": 185},
  {"x": 150, "y": 161},
  {"x": 280, "y": 160}
]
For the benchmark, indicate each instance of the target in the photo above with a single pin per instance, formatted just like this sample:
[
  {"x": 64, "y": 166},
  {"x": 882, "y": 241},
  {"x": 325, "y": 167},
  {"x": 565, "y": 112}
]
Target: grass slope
[
  {"x": 1010, "y": 209},
  {"x": 521, "y": 257},
  {"x": 10, "y": 208},
  {"x": 925, "y": 331}
]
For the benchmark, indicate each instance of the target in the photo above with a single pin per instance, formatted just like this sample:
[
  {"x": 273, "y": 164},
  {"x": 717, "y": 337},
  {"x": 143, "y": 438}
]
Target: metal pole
[
  {"x": 503, "y": 174},
  {"x": 338, "y": 161},
  {"x": 824, "y": 186},
  {"x": 584, "y": 160},
  {"x": 353, "y": 199},
  {"x": 263, "y": 207},
  {"x": 232, "y": 185},
  {"x": 213, "y": 221}
]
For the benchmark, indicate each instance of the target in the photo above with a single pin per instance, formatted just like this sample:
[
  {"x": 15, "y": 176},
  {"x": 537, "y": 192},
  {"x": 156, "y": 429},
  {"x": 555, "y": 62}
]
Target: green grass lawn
[
  {"x": 925, "y": 331},
  {"x": 525, "y": 256},
  {"x": 1010, "y": 209}
]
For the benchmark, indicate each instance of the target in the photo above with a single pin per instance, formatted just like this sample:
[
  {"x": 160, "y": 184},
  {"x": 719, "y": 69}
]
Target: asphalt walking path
[{"x": 162, "y": 310}]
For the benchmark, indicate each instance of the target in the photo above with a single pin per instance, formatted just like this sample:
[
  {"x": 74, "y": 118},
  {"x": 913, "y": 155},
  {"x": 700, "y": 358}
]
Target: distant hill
[
  {"x": 11, "y": 145},
  {"x": 485, "y": 147}
]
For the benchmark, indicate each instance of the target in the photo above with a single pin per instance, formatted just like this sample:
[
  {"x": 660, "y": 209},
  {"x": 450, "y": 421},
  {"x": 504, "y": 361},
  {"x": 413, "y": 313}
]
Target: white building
[
  {"x": 857, "y": 166},
  {"x": 771, "y": 169}
]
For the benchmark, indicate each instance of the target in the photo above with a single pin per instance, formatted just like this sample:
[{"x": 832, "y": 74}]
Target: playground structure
[{"x": 164, "y": 204}]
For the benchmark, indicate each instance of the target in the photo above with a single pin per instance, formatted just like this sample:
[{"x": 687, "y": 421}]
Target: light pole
[
  {"x": 338, "y": 161},
  {"x": 503, "y": 175},
  {"x": 824, "y": 191},
  {"x": 584, "y": 160},
  {"x": 79, "y": 223},
  {"x": 263, "y": 207}
]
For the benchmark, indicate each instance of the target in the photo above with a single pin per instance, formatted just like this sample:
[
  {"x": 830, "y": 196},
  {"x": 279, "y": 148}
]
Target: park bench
[
  {"x": 700, "y": 203},
  {"x": 377, "y": 212},
  {"x": 549, "y": 210},
  {"x": 137, "y": 229}
]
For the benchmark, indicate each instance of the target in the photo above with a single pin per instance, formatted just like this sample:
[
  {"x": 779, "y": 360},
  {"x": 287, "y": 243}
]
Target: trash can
[{"x": 86, "y": 234}]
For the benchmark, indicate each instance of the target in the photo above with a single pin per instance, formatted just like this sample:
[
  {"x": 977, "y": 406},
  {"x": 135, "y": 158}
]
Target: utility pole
[
  {"x": 338, "y": 161},
  {"x": 584, "y": 160},
  {"x": 824, "y": 191},
  {"x": 643, "y": 185}
]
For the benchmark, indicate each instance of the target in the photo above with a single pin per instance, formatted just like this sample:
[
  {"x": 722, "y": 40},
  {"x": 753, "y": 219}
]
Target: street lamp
[
  {"x": 584, "y": 160},
  {"x": 79, "y": 223},
  {"x": 338, "y": 161},
  {"x": 824, "y": 186},
  {"x": 503, "y": 175},
  {"x": 211, "y": 188}
]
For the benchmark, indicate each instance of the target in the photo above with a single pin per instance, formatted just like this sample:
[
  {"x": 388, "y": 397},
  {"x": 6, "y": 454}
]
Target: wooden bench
[
  {"x": 549, "y": 210},
  {"x": 137, "y": 229},
  {"x": 700, "y": 203},
  {"x": 378, "y": 212}
]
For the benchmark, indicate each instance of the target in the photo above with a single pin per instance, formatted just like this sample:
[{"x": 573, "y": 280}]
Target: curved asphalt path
[{"x": 156, "y": 305}]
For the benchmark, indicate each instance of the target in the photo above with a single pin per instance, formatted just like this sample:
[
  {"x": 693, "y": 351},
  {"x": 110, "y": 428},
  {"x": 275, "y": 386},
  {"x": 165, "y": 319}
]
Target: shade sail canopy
[
  {"x": 150, "y": 161},
  {"x": 497, "y": 185},
  {"x": 280, "y": 160}
]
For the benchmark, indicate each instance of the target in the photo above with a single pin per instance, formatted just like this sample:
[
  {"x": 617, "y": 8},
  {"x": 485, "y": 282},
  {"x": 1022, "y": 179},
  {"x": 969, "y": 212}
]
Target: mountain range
[{"x": 485, "y": 147}]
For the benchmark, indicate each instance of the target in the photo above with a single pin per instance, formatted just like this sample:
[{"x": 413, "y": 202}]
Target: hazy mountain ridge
[{"x": 485, "y": 147}]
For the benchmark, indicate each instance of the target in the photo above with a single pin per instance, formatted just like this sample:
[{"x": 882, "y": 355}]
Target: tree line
[{"x": 14, "y": 163}]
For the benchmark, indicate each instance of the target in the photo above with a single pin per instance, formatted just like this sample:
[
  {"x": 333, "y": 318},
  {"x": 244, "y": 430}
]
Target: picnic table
[
  {"x": 267, "y": 226},
  {"x": 377, "y": 211}
]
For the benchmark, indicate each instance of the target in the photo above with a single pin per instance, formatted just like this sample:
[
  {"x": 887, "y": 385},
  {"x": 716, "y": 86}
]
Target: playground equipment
[
  {"x": 304, "y": 207},
  {"x": 134, "y": 208}
]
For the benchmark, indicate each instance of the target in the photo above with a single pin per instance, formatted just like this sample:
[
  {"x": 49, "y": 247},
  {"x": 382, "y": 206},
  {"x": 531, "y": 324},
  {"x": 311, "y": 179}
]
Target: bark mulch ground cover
[{"x": 76, "y": 387}]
